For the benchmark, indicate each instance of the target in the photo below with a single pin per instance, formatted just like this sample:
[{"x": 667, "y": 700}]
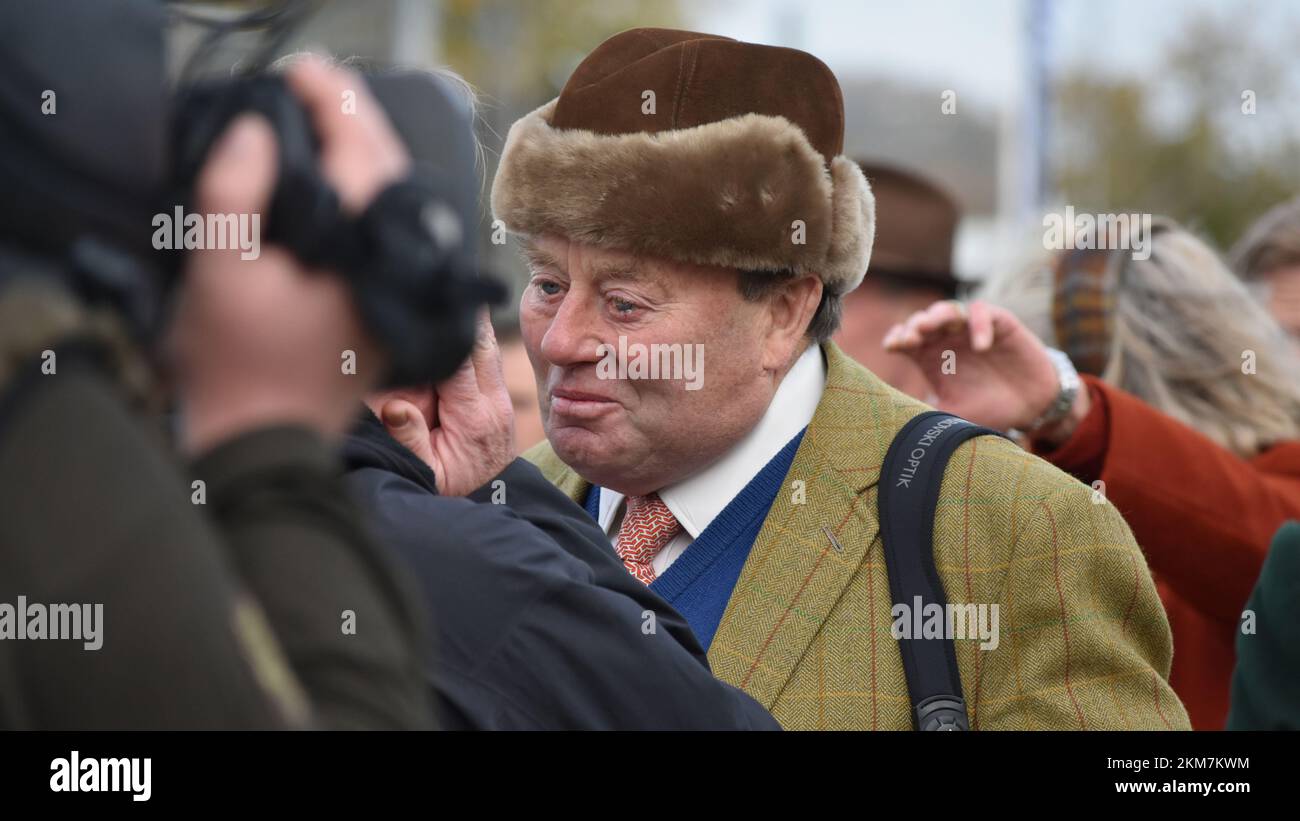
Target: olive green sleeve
[
  {"x": 350, "y": 625},
  {"x": 93, "y": 513},
  {"x": 220, "y": 594}
]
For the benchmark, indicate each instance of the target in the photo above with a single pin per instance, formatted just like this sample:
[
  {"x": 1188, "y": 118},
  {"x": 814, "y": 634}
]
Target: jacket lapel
[
  {"x": 812, "y": 543},
  {"x": 558, "y": 473}
]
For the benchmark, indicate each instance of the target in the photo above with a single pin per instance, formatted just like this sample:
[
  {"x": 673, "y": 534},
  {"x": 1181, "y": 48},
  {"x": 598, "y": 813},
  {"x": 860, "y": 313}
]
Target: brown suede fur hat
[{"x": 737, "y": 142}]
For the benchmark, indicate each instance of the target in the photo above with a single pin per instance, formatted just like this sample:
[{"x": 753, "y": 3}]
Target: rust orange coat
[{"x": 1203, "y": 516}]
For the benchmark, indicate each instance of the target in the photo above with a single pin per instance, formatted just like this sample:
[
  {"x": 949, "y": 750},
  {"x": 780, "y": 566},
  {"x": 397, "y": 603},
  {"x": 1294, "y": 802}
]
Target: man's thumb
[{"x": 406, "y": 424}]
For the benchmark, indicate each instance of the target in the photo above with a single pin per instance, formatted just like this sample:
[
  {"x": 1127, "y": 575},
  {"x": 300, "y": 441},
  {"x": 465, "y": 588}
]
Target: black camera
[{"x": 89, "y": 169}]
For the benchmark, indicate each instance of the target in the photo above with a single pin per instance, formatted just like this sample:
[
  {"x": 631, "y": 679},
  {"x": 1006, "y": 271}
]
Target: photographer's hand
[
  {"x": 472, "y": 436},
  {"x": 263, "y": 341},
  {"x": 360, "y": 153}
]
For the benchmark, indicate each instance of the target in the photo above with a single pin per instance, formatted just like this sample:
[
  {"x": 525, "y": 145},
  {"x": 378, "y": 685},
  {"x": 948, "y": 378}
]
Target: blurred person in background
[
  {"x": 1268, "y": 257},
  {"x": 522, "y": 387},
  {"x": 911, "y": 268},
  {"x": 1187, "y": 419},
  {"x": 1265, "y": 690},
  {"x": 224, "y": 614}
]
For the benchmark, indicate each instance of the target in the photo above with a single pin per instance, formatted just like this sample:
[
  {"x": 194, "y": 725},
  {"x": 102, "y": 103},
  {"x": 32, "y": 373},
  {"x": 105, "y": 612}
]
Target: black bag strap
[{"x": 909, "y": 491}]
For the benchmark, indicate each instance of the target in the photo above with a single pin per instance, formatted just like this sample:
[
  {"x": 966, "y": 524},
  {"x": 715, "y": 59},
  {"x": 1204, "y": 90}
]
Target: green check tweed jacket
[{"x": 1084, "y": 642}]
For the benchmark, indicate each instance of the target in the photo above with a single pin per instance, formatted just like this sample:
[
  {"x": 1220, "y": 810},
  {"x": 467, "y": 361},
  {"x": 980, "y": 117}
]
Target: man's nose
[{"x": 571, "y": 339}]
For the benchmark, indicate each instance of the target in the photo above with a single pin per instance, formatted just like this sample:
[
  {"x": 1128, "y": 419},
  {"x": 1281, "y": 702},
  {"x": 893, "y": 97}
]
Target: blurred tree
[
  {"x": 524, "y": 51},
  {"x": 1210, "y": 160}
]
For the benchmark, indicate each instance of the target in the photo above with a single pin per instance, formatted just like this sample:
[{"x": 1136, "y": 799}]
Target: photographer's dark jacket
[
  {"x": 220, "y": 615},
  {"x": 537, "y": 624}
]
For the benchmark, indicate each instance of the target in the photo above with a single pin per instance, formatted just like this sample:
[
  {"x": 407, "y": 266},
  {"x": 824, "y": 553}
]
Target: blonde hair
[
  {"x": 1184, "y": 328},
  {"x": 1272, "y": 242}
]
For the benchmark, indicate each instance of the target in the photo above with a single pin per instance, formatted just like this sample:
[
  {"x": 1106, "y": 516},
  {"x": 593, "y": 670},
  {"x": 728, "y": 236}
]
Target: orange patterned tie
[{"x": 647, "y": 527}]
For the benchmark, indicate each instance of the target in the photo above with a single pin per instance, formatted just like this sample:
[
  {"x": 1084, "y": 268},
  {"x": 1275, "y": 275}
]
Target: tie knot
[{"x": 648, "y": 526}]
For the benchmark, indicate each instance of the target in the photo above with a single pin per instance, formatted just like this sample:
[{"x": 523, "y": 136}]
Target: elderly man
[{"x": 688, "y": 191}]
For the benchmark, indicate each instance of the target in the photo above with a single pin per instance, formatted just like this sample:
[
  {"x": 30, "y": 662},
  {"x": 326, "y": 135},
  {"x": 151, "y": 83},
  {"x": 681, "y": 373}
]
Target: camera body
[
  {"x": 85, "y": 186},
  {"x": 410, "y": 257}
]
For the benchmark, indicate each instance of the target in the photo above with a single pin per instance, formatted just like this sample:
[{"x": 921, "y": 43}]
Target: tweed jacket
[{"x": 1083, "y": 640}]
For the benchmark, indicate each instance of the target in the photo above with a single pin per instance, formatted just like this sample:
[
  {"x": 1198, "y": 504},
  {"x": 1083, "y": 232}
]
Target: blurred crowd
[
  {"x": 277, "y": 541},
  {"x": 1188, "y": 421}
]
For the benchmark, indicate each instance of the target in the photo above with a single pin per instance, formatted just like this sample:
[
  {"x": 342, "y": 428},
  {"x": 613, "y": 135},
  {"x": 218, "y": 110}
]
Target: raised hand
[{"x": 981, "y": 363}]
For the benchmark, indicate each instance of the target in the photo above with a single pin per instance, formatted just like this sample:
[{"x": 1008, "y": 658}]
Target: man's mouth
[{"x": 581, "y": 404}]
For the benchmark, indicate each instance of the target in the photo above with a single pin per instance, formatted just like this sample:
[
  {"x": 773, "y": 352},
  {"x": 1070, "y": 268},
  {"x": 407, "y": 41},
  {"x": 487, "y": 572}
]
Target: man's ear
[{"x": 791, "y": 308}]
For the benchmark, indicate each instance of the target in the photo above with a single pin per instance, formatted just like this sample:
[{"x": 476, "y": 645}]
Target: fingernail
[
  {"x": 240, "y": 138},
  {"x": 395, "y": 418}
]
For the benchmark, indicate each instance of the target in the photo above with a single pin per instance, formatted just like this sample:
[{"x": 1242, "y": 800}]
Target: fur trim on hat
[{"x": 727, "y": 193}]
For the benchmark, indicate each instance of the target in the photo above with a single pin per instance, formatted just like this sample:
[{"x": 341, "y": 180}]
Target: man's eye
[
  {"x": 548, "y": 287},
  {"x": 623, "y": 306}
]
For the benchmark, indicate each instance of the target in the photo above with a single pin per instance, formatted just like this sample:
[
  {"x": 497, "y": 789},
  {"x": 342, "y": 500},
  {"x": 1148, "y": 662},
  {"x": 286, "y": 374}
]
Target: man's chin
[
  {"x": 574, "y": 443},
  {"x": 592, "y": 454}
]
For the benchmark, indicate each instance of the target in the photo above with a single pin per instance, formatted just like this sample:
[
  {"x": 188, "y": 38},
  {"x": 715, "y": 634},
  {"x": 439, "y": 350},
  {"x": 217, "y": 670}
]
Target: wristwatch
[{"x": 1068, "y": 380}]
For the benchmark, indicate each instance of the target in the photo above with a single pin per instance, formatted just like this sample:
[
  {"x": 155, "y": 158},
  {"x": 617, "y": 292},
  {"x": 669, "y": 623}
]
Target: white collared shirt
[{"x": 697, "y": 500}]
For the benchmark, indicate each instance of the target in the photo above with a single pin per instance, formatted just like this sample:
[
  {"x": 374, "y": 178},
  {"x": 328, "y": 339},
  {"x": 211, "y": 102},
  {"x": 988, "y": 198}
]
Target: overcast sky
[{"x": 973, "y": 45}]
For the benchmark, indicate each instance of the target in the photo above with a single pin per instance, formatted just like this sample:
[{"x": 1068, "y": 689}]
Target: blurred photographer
[{"x": 219, "y": 596}]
